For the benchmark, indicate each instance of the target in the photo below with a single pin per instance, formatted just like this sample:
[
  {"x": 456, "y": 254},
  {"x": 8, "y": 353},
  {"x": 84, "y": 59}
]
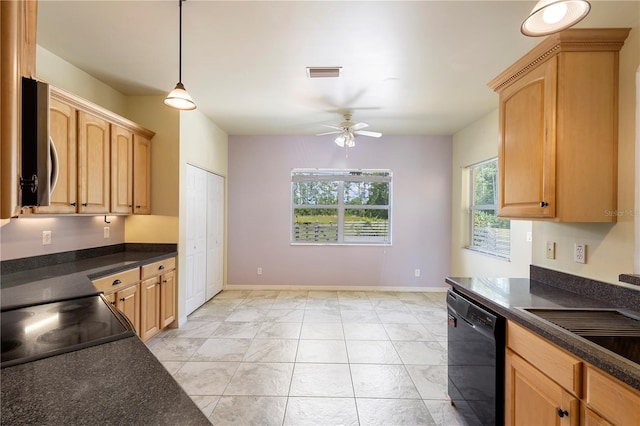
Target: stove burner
[{"x": 70, "y": 335}]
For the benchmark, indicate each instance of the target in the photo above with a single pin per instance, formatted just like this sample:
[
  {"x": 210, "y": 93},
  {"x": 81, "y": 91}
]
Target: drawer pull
[
  {"x": 116, "y": 282},
  {"x": 544, "y": 204},
  {"x": 562, "y": 413},
  {"x": 122, "y": 300},
  {"x": 161, "y": 267}
]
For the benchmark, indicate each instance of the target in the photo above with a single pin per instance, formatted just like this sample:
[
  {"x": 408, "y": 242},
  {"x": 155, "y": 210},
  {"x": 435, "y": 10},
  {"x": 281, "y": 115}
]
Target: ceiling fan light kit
[
  {"x": 347, "y": 132},
  {"x": 179, "y": 98},
  {"x": 551, "y": 16}
]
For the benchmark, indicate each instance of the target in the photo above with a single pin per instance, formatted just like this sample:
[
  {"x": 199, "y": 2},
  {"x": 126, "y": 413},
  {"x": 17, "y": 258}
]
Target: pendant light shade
[
  {"x": 551, "y": 16},
  {"x": 179, "y": 98}
]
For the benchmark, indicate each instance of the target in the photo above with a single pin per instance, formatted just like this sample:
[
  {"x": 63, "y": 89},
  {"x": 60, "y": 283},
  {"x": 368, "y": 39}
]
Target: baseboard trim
[{"x": 336, "y": 288}]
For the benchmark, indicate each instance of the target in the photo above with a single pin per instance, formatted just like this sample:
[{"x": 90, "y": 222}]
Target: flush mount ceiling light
[
  {"x": 551, "y": 16},
  {"x": 179, "y": 98}
]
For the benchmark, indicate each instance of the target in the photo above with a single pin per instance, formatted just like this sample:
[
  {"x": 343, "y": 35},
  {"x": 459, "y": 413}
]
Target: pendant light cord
[{"x": 180, "y": 45}]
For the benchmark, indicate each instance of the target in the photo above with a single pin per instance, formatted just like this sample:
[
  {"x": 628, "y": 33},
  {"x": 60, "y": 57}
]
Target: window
[
  {"x": 488, "y": 233},
  {"x": 341, "y": 206}
]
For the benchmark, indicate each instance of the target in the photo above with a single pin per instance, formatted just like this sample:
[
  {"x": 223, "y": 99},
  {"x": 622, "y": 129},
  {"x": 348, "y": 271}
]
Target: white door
[
  {"x": 196, "y": 273},
  {"x": 215, "y": 235}
]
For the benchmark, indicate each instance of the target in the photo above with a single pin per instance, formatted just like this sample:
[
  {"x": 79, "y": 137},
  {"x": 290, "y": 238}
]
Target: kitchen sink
[{"x": 615, "y": 330}]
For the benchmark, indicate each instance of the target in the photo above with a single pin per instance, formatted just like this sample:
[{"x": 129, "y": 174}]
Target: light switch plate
[{"x": 551, "y": 250}]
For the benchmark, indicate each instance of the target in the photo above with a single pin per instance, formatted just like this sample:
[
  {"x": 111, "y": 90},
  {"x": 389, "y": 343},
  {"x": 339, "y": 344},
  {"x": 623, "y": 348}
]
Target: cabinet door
[
  {"x": 121, "y": 170},
  {"x": 141, "y": 175},
  {"x": 128, "y": 301},
  {"x": 167, "y": 298},
  {"x": 589, "y": 418},
  {"x": 62, "y": 130},
  {"x": 93, "y": 164},
  {"x": 531, "y": 398},
  {"x": 526, "y": 159},
  {"x": 149, "y": 308}
]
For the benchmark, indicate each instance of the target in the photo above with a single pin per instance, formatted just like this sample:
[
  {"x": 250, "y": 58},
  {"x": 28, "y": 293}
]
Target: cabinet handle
[
  {"x": 84, "y": 204},
  {"x": 130, "y": 205},
  {"x": 113, "y": 303},
  {"x": 562, "y": 413},
  {"x": 161, "y": 267},
  {"x": 73, "y": 204},
  {"x": 137, "y": 207},
  {"x": 122, "y": 300},
  {"x": 116, "y": 282},
  {"x": 543, "y": 204},
  {"x": 165, "y": 281}
]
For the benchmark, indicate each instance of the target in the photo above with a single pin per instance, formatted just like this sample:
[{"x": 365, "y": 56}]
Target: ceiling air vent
[{"x": 323, "y": 72}]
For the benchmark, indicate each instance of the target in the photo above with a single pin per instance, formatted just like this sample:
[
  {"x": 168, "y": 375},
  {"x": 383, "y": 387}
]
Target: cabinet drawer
[
  {"x": 615, "y": 401},
  {"x": 117, "y": 281},
  {"x": 564, "y": 368},
  {"x": 159, "y": 267}
]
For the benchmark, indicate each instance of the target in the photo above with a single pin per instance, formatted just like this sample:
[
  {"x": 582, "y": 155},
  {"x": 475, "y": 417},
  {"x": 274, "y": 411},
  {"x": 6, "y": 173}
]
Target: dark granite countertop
[
  {"x": 117, "y": 383},
  {"x": 26, "y": 282},
  {"x": 506, "y": 296}
]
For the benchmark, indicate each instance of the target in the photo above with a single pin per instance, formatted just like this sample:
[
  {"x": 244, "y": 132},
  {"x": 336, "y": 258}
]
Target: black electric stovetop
[{"x": 41, "y": 331}]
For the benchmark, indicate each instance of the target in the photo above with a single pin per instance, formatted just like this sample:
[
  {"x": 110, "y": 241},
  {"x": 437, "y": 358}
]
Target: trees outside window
[
  {"x": 341, "y": 206},
  {"x": 488, "y": 232}
]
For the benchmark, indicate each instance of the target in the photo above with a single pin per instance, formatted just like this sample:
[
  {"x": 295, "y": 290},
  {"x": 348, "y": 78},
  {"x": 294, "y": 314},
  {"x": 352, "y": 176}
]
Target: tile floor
[{"x": 314, "y": 357}]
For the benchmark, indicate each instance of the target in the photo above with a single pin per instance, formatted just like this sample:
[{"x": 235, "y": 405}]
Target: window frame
[
  {"x": 341, "y": 176},
  {"x": 483, "y": 207}
]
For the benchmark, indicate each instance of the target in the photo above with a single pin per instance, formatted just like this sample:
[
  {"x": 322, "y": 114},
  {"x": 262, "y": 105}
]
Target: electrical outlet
[
  {"x": 551, "y": 250},
  {"x": 580, "y": 253},
  {"x": 416, "y": 273},
  {"x": 46, "y": 238},
  {"x": 106, "y": 232},
  {"x": 259, "y": 270}
]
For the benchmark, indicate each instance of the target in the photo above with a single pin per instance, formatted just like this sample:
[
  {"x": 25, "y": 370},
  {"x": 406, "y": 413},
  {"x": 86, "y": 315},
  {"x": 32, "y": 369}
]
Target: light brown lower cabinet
[
  {"x": 546, "y": 385},
  {"x": 534, "y": 399},
  {"x": 158, "y": 297},
  {"x": 146, "y": 295}
]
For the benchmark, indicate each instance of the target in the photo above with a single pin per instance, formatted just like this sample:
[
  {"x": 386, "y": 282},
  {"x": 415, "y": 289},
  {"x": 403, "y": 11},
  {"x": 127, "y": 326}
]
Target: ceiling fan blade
[
  {"x": 328, "y": 133},
  {"x": 359, "y": 126},
  {"x": 331, "y": 127},
  {"x": 368, "y": 133}
]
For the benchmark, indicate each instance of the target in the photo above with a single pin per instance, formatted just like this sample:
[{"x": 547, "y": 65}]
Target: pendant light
[
  {"x": 551, "y": 16},
  {"x": 179, "y": 98}
]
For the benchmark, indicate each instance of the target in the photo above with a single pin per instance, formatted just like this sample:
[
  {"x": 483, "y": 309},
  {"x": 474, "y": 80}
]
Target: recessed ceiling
[{"x": 408, "y": 68}]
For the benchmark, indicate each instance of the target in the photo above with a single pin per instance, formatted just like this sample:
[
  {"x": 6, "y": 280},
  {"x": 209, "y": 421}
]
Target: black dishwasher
[{"x": 476, "y": 339}]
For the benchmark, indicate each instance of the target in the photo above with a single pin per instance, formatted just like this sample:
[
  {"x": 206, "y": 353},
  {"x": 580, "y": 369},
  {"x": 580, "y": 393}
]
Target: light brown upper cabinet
[
  {"x": 103, "y": 160},
  {"x": 141, "y": 175},
  {"x": 121, "y": 170},
  {"x": 94, "y": 165},
  {"x": 558, "y": 147},
  {"x": 62, "y": 131}
]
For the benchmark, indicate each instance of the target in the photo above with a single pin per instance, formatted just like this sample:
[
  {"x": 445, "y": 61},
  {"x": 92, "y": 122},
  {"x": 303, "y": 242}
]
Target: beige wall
[
  {"x": 61, "y": 73},
  {"x": 162, "y": 225},
  {"x": 610, "y": 248},
  {"x": 205, "y": 145},
  {"x": 476, "y": 143}
]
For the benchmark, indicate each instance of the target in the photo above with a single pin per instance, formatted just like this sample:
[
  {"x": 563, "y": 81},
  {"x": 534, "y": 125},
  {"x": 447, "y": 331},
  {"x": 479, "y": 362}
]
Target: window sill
[{"x": 490, "y": 254}]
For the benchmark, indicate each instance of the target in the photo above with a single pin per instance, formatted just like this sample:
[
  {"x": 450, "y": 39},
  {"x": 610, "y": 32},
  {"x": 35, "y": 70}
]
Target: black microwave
[{"x": 38, "y": 157}]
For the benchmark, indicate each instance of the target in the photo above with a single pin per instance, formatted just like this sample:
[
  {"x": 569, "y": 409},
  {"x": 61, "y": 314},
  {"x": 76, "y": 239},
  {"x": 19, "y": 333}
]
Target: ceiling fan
[{"x": 347, "y": 132}]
